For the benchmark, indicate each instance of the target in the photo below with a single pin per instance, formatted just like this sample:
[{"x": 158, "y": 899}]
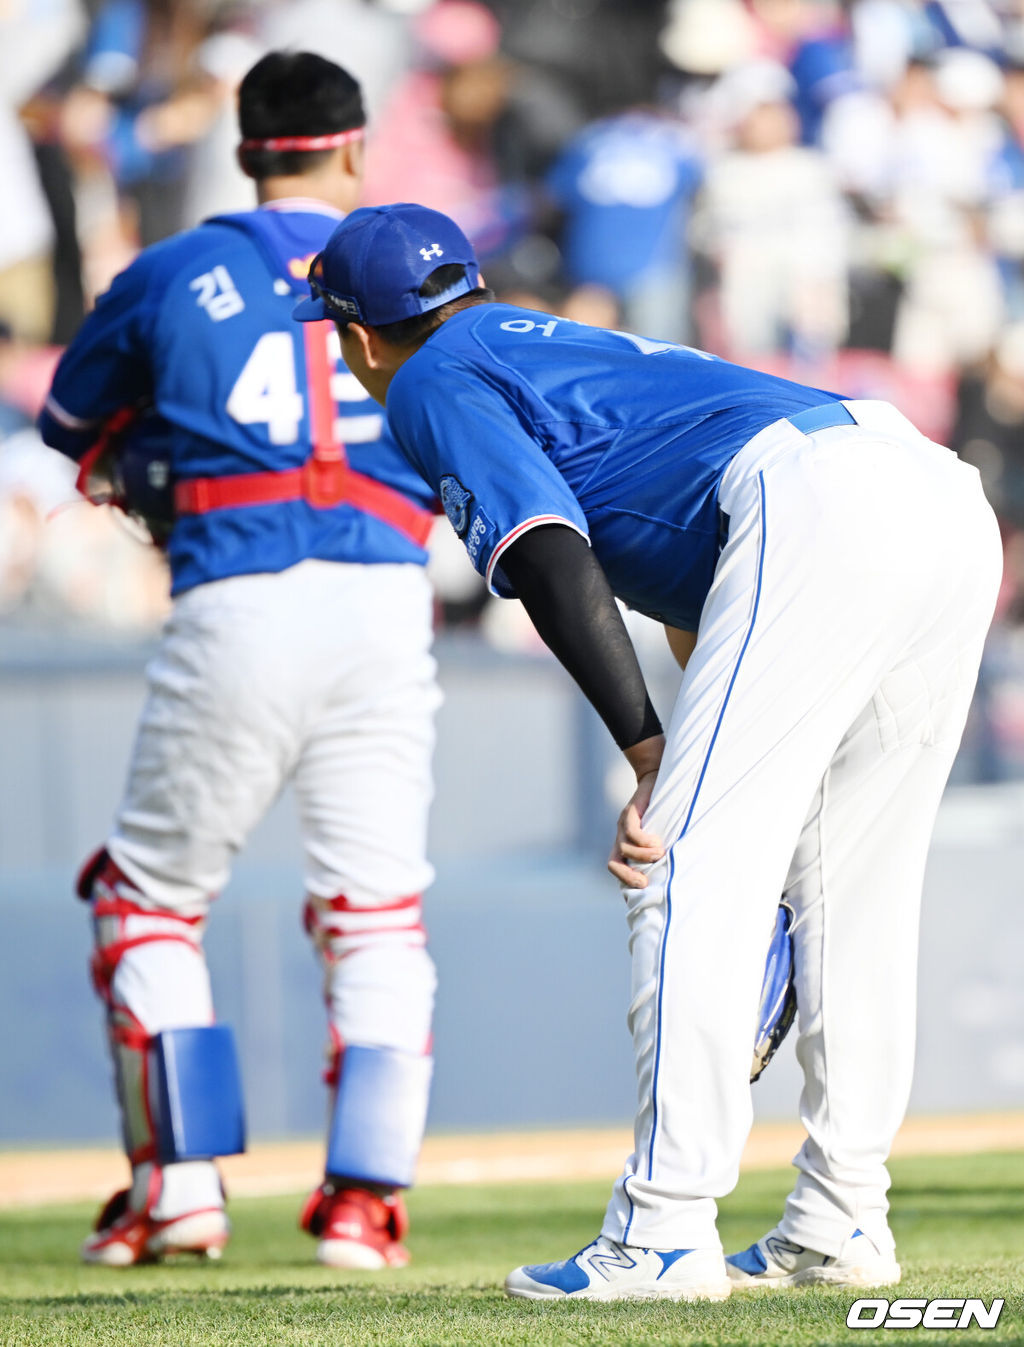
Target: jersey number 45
[{"x": 267, "y": 392}]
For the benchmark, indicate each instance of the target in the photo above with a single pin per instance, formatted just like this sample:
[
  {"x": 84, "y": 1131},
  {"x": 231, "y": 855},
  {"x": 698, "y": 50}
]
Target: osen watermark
[{"x": 923, "y": 1313}]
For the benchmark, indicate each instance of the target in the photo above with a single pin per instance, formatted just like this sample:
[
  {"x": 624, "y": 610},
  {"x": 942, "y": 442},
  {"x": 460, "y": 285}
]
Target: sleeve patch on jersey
[
  {"x": 480, "y": 530},
  {"x": 457, "y": 502}
]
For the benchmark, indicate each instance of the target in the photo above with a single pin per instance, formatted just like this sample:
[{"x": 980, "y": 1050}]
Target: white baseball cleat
[
  {"x": 775, "y": 1261},
  {"x": 606, "y": 1270},
  {"x": 123, "y": 1237}
]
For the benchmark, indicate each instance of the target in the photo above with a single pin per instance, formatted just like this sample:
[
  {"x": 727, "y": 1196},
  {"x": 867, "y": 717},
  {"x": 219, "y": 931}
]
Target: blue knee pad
[
  {"x": 380, "y": 1111},
  {"x": 196, "y": 1093}
]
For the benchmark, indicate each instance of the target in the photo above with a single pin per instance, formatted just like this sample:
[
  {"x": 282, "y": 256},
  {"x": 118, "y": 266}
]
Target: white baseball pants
[
  {"x": 320, "y": 675},
  {"x": 813, "y": 734}
]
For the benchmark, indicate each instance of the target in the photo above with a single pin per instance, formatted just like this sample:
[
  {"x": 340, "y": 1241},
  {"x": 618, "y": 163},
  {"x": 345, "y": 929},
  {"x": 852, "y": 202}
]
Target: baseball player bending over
[
  {"x": 298, "y": 649},
  {"x": 827, "y": 575}
]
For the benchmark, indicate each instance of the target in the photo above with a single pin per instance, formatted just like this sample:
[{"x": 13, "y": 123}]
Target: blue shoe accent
[
  {"x": 857, "y": 1232},
  {"x": 752, "y": 1260},
  {"x": 668, "y": 1257},
  {"x": 567, "y": 1276}
]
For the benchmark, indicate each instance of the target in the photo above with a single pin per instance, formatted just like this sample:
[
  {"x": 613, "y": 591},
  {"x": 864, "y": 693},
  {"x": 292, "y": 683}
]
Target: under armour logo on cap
[{"x": 374, "y": 266}]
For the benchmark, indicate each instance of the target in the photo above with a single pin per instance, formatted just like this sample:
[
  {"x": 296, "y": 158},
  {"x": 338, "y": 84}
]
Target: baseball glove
[
  {"x": 778, "y": 993},
  {"x": 129, "y": 468}
]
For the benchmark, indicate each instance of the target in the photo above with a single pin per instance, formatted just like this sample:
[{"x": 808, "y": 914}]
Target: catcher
[{"x": 298, "y": 649}]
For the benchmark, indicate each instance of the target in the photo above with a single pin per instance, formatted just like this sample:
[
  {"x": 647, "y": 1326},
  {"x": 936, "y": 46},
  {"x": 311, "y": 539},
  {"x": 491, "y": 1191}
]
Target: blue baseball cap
[{"x": 373, "y": 265}]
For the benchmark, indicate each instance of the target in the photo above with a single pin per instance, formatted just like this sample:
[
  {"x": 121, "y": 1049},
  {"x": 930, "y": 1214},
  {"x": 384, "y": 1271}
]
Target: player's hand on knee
[{"x": 633, "y": 844}]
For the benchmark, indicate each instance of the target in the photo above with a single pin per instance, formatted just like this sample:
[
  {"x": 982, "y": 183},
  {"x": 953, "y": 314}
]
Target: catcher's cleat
[
  {"x": 356, "y": 1228},
  {"x": 605, "y": 1270},
  {"x": 775, "y": 1261},
  {"x": 123, "y": 1236}
]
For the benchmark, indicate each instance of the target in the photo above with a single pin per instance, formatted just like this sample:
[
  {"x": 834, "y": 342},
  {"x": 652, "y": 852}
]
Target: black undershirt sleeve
[{"x": 566, "y": 593}]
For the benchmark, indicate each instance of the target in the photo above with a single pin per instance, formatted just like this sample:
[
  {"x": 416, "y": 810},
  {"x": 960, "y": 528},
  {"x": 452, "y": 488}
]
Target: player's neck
[
  {"x": 372, "y": 359},
  {"x": 341, "y": 192}
]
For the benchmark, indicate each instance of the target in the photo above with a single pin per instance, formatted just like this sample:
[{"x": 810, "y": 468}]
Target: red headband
[{"x": 327, "y": 142}]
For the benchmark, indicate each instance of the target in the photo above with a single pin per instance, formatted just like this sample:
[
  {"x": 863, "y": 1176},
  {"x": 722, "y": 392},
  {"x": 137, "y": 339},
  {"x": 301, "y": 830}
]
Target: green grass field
[{"x": 959, "y": 1224}]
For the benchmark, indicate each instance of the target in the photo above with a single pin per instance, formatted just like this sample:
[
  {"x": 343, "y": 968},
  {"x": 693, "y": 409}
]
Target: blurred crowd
[{"x": 831, "y": 189}]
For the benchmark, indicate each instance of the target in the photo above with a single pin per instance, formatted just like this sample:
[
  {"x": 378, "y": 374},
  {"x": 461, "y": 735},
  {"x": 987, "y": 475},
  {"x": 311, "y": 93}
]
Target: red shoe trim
[{"x": 184, "y": 1215}]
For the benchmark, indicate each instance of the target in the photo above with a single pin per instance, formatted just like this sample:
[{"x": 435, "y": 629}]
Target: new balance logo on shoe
[
  {"x": 781, "y": 1248},
  {"x": 607, "y": 1262},
  {"x": 607, "y": 1270},
  {"x": 775, "y": 1262}
]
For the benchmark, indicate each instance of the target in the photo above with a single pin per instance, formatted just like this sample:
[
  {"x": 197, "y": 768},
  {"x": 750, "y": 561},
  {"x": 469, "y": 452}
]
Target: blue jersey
[
  {"x": 201, "y": 326},
  {"x": 518, "y": 419},
  {"x": 626, "y": 184}
]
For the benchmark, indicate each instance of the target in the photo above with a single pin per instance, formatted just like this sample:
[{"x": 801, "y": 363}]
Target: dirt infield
[{"x": 35, "y": 1177}]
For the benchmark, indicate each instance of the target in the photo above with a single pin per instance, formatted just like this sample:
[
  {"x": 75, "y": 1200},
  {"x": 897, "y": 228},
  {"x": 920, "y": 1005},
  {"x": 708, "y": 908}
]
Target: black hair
[
  {"x": 412, "y": 331},
  {"x": 295, "y": 93}
]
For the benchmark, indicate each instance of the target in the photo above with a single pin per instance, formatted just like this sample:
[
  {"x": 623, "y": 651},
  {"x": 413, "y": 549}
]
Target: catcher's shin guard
[
  {"x": 380, "y": 1111},
  {"x": 197, "y": 1094},
  {"x": 176, "y": 1078},
  {"x": 379, "y": 984}
]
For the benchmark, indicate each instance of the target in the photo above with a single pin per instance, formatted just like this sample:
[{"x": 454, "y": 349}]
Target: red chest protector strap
[
  {"x": 106, "y": 439},
  {"x": 324, "y": 480}
]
